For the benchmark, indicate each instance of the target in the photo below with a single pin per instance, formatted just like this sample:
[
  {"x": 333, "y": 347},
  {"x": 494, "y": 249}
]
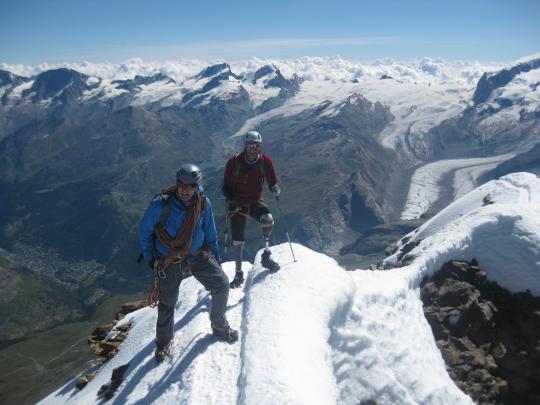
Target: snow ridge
[{"x": 313, "y": 333}]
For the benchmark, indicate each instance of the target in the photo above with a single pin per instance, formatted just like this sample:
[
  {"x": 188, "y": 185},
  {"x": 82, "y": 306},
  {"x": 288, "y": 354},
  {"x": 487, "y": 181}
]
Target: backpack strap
[
  {"x": 165, "y": 194},
  {"x": 262, "y": 168},
  {"x": 166, "y": 210},
  {"x": 236, "y": 171},
  {"x": 203, "y": 201}
]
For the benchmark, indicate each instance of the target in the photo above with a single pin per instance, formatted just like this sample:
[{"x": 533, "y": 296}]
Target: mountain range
[{"x": 81, "y": 154}]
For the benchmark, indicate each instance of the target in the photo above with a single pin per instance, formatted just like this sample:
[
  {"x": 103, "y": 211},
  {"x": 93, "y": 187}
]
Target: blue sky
[{"x": 36, "y": 31}]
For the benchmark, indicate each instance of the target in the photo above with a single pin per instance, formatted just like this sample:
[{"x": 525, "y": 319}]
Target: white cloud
[{"x": 336, "y": 68}]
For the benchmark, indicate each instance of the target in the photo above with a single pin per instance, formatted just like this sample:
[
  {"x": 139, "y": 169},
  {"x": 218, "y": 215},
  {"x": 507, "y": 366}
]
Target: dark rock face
[
  {"x": 8, "y": 78},
  {"x": 488, "y": 336},
  {"x": 106, "y": 348},
  {"x": 65, "y": 84},
  {"x": 335, "y": 168},
  {"x": 217, "y": 74},
  {"x": 107, "y": 390},
  {"x": 214, "y": 70},
  {"x": 490, "y": 82},
  {"x": 482, "y": 129},
  {"x": 288, "y": 88},
  {"x": 263, "y": 71},
  {"x": 524, "y": 162},
  {"x": 378, "y": 238},
  {"x": 132, "y": 84}
]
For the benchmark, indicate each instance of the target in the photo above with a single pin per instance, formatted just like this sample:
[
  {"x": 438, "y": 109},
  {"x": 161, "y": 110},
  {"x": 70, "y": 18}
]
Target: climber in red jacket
[{"x": 244, "y": 178}]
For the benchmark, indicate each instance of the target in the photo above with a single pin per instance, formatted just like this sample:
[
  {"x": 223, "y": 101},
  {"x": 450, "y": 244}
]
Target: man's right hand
[{"x": 151, "y": 263}]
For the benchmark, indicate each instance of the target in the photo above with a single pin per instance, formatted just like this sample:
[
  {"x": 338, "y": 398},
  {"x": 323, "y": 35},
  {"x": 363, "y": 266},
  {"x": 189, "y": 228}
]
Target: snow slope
[
  {"x": 497, "y": 223},
  {"x": 314, "y": 333}
]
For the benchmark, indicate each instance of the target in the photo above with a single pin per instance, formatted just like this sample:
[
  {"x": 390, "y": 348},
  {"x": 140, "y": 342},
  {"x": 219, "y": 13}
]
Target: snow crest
[
  {"x": 498, "y": 223},
  {"x": 314, "y": 333}
]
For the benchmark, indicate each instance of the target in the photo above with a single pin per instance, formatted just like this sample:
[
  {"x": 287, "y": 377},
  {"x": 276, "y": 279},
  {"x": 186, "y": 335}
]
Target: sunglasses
[
  {"x": 190, "y": 186},
  {"x": 253, "y": 145}
]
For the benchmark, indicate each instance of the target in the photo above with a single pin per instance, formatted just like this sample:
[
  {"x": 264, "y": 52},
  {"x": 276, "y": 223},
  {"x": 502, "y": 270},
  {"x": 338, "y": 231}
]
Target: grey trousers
[{"x": 210, "y": 274}]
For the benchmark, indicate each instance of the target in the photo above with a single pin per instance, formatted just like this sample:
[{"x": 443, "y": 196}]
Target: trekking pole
[
  {"x": 226, "y": 232},
  {"x": 286, "y": 231}
]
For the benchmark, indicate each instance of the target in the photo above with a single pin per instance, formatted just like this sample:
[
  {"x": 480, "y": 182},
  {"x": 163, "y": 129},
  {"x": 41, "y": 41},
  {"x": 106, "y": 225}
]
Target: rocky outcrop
[
  {"x": 106, "y": 345},
  {"x": 129, "y": 307},
  {"x": 106, "y": 339},
  {"x": 488, "y": 336},
  {"x": 105, "y": 342},
  {"x": 107, "y": 390}
]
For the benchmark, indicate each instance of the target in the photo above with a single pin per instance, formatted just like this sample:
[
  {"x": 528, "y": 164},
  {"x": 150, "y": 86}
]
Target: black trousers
[
  {"x": 238, "y": 220},
  {"x": 210, "y": 274}
]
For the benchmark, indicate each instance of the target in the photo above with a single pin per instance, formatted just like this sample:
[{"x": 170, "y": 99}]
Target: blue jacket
[{"x": 204, "y": 233}]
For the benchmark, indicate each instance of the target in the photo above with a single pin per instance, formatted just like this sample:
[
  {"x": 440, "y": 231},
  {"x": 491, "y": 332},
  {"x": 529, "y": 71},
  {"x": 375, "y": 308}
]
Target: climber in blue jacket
[{"x": 178, "y": 237}]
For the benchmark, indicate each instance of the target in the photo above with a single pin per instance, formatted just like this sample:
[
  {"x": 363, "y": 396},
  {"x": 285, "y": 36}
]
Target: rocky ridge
[
  {"x": 104, "y": 342},
  {"x": 488, "y": 336}
]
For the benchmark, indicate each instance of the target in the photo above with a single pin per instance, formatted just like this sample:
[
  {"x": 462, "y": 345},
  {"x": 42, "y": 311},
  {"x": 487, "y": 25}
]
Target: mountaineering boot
[
  {"x": 267, "y": 262},
  {"x": 225, "y": 333},
  {"x": 238, "y": 279},
  {"x": 161, "y": 353}
]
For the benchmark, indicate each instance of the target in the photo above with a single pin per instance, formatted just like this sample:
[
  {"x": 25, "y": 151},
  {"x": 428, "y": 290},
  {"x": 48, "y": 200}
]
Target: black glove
[{"x": 151, "y": 263}]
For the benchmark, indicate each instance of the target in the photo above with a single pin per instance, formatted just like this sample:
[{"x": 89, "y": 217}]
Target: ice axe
[{"x": 286, "y": 230}]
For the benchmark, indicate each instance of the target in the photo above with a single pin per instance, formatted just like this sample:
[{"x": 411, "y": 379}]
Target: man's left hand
[{"x": 275, "y": 189}]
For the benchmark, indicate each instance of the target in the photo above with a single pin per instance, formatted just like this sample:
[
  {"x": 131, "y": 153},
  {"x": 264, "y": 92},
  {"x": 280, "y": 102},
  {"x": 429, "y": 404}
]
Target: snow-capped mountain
[
  {"x": 62, "y": 86},
  {"x": 314, "y": 333},
  {"x": 498, "y": 133},
  {"x": 368, "y": 131},
  {"x": 503, "y": 116}
]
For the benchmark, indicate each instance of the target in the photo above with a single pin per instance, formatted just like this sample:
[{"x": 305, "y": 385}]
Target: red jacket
[{"x": 248, "y": 185}]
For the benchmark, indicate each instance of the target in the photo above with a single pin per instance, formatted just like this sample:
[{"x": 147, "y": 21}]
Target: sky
[
  {"x": 55, "y": 31},
  {"x": 364, "y": 337}
]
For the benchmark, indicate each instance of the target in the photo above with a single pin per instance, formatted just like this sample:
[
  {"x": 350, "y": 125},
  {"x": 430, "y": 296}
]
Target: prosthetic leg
[
  {"x": 239, "y": 274},
  {"x": 267, "y": 223}
]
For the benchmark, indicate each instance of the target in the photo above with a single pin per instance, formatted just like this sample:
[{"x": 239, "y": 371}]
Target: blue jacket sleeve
[
  {"x": 209, "y": 228},
  {"x": 146, "y": 227}
]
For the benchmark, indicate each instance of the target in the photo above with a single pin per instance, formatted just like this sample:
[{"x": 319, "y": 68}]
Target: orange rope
[
  {"x": 153, "y": 297},
  {"x": 179, "y": 246}
]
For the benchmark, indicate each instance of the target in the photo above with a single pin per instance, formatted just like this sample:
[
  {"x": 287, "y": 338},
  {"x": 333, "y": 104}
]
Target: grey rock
[{"x": 485, "y": 333}]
